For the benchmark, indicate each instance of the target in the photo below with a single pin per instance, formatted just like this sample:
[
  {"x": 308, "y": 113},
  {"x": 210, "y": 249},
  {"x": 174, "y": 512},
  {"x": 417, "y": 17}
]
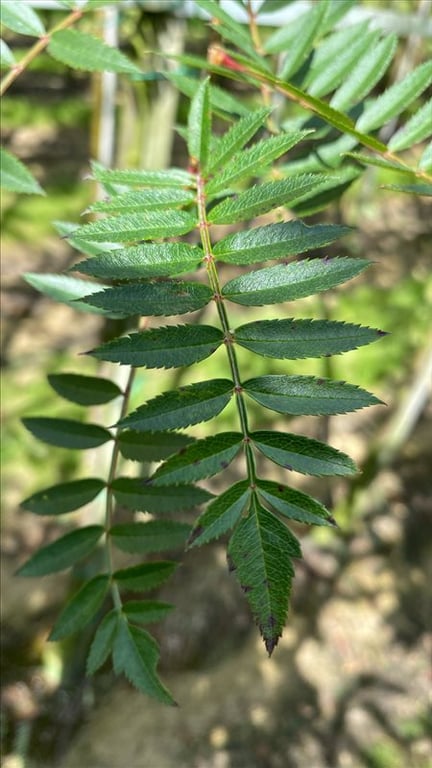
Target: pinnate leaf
[
  {"x": 133, "y": 226},
  {"x": 142, "y": 262},
  {"x": 81, "y": 608},
  {"x": 221, "y": 514},
  {"x": 302, "y": 454},
  {"x": 286, "y": 282},
  {"x": 63, "y": 552},
  {"x": 153, "y": 298},
  {"x": 151, "y": 446},
  {"x": 21, "y": 18},
  {"x": 66, "y": 497},
  {"x": 203, "y": 458},
  {"x": 306, "y": 395},
  {"x": 84, "y": 390},
  {"x": 16, "y": 177},
  {"x": 294, "y": 504},
  {"x": 151, "y": 536},
  {"x": 136, "y": 494},
  {"x": 80, "y": 50},
  {"x": 67, "y": 433},
  {"x": 145, "y": 576},
  {"x": 169, "y": 347},
  {"x": 136, "y": 655},
  {"x": 180, "y": 408}
]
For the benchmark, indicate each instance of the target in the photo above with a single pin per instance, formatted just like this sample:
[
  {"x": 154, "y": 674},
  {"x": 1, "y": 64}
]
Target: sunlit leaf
[{"x": 80, "y": 50}]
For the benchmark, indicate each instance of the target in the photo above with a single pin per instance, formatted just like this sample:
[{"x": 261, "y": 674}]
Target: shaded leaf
[
  {"x": 136, "y": 655},
  {"x": 302, "y": 454},
  {"x": 133, "y": 226},
  {"x": 7, "y": 58},
  {"x": 151, "y": 536},
  {"x": 66, "y": 497},
  {"x": 67, "y": 433},
  {"x": 84, "y": 390},
  {"x": 63, "y": 552},
  {"x": 138, "y": 495},
  {"x": 221, "y": 514},
  {"x": 81, "y": 608},
  {"x": 21, "y": 18},
  {"x": 16, "y": 177},
  {"x": 142, "y": 261},
  {"x": 146, "y": 611},
  {"x": 199, "y": 125},
  {"x": 151, "y": 446},
  {"x": 145, "y": 576},
  {"x": 294, "y": 504},
  {"x": 203, "y": 458},
  {"x": 153, "y": 298},
  {"x": 80, "y": 50},
  {"x": 103, "y": 642}
]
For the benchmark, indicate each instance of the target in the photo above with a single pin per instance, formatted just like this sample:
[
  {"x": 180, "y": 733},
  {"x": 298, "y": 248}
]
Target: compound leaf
[
  {"x": 138, "y": 495},
  {"x": 80, "y": 50},
  {"x": 66, "y": 497},
  {"x": 151, "y": 536},
  {"x": 63, "y": 552},
  {"x": 67, "y": 433},
  {"x": 81, "y": 608},
  {"x": 221, "y": 514},
  {"x": 302, "y": 454},
  {"x": 84, "y": 390},
  {"x": 203, "y": 458},
  {"x": 153, "y": 298}
]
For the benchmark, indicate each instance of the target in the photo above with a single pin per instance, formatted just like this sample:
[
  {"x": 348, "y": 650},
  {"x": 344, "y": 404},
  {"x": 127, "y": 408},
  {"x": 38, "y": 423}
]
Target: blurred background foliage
[{"x": 51, "y": 119}]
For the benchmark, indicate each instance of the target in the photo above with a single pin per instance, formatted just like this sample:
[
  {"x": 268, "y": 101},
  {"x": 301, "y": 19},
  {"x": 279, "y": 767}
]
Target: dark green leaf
[
  {"x": 203, "y": 458},
  {"x": 151, "y": 446},
  {"x": 59, "y": 499},
  {"x": 306, "y": 395},
  {"x": 84, "y": 390},
  {"x": 169, "y": 347},
  {"x": 275, "y": 241},
  {"x": 64, "y": 552},
  {"x": 222, "y": 514},
  {"x": 294, "y": 339},
  {"x": 21, "y": 18},
  {"x": 136, "y": 494},
  {"x": 67, "y": 433},
  {"x": 144, "y": 200},
  {"x": 145, "y": 576},
  {"x": 15, "y": 176},
  {"x": 286, "y": 282},
  {"x": 68, "y": 290},
  {"x": 302, "y": 454},
  {"x": 174, "y": 177},
  {"x": 294, "y": 504},
  {"x": 188, "y": 405},
  {"x": 83, "y": 51},
  {"x": 81, "y": 608},
  {"x": 152, "y": 536},
  {"x": 164, "y": 298},
  {"x": 396, "y": 98},
  {"x": 136, "y": 655},
  {"x": 138, "y": 226},
  {"x": 235, "y": 138},
  {"x": 199, "y": 123},
  {"x": 146, "y": 611},
  {"x": 143, "y": 261},
  {"x": 260, "y": 551},
  {"x": 103, "y": 642}
]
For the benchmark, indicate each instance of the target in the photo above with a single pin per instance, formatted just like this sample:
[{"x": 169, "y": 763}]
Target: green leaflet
[
  {"x": 307, "y": 29},
  {"x": 329, "y": 191},
  {"x": 80, "y": 50},
  {"x": 174, "y": 177},
  {"x": 221, "y": 514},
  {"x": 142, "y": 261},
  {"x": 396, "y": 98},
  {"x": 365, "y": 74},
  {"x": 15, "y": 176},
  {"x": 293, "y": 504},
  {"x": 425, "y": 163},
  {"x": 253, "y": 161},
  {"x": 169, "y": 347},
  {"x": 188, "y": 405},
  {"x": 306, "y": 395},
  {"x": 151, "y": 446},
  {"x": 418, "y": 128},
  {"x": 153, "y": 298},
  {"x": 333, "y": 48},
  {"x": 275, "y": 241},
  {"x": 286, "y": 282},
  {"x": 84, "y": 390},
  {"x": 7, "y": 58},
  {"x": 68, "y": 229},
  {"x": 138, "y": 495},
  {"x": 295, "y": 339},
  {"x": 330, "y": 77},
  {"x": 67, "y": 433},
  {"x": 146, "y": 611},
  {"x": 144, "y": 200},
  {"x": 264, "y": 197},
  {"x": 136, "y": 654},
  {"x": 81, "y": 608},
  {"x": 21, "y": 18},
  {"x": 145, "y": 576},
  {"x": 103, "y": 642},
  {"x": 203, "y": 458},
  {"x": 302, "y": 454},
  {"x": 66, "y": 497},
  {"x": 221, "y": 101},
  {"x": 133, "y": 226},
  {"x": 416, "y": 189},
  {"x": 229, "y": 28},
  {"x": 260, "y": 552},
  {"x": 235, "y": 138},
  {"x": 199, "y": 125},
  {"x": 63, "y": 552},
  {"x": 68, "y": 290},
  {"x": 152, "y": 536}
]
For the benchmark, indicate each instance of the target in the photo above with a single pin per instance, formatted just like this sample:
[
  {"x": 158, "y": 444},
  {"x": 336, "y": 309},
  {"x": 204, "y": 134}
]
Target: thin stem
[
  {"x": 36, "y": 49},
  {"x": 223, "y": 316}
]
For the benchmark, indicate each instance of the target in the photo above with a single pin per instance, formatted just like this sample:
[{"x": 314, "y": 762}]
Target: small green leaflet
[
  {"x": 7, "y": 59},
  {"x": 221, "y": 101},
  {"x": 142, "y": 261},
  {"x": 168, "y": 347},
  {"x": 151, "y": 446},
  {"x": 16, "y": 177},
  {"x": 294, "y": 339},
  {"x": 67, "y": 229},
  {"x": 67, "y": 433},
  {"x": 286, "y": 282},
  {"x": 293, "y": 504},
  {"x": 203, "y": 458},
  {"x": 138, "y": 495},
  {"x": 81, "y": 608},
  {"x": 84, "y": 390},
  {"x": 21, "y": 18},
  {"x": 264, "y": 197},
  {"x": 180, "y": 408},
  {"x": 103, "y": 641},
  {"x": 308, "y": 27},
  {"x": 144, "y": 200},
  {"x": 68, "y": 290},
  {"x": 418, "y": 128},
  {"x": 425, "y": 163},
  {"x": 63, "y": 552},
  {"x": 367, "y": 72},
  {"x": 152, "y": 536},
  {"x": 80, "y": 50},
  {"x": 328, "y": 78},
  {"x": 66, "y": 497},
  {"x": 302, "y": 454},
  {"x": 199, "y": 125},
  {"x": 416, "y": 189},
  {"x": 260, "y": 552},
  {"x": 153, "y": 298},
  {"x": 146, "y": 611},
  {"x": 275, "y": 241},
  {"x": 136, "y": 654},
  {"x": 221, "y": 515},
  {"x": 174, "y": 177},
  {"x": 145, "y": 576},
  {"x": 131, "y": 227},
  {"x": 235, "y": 138},
  {"x": 253, "y": 161},
  {"x": 308, "y": 396}
]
